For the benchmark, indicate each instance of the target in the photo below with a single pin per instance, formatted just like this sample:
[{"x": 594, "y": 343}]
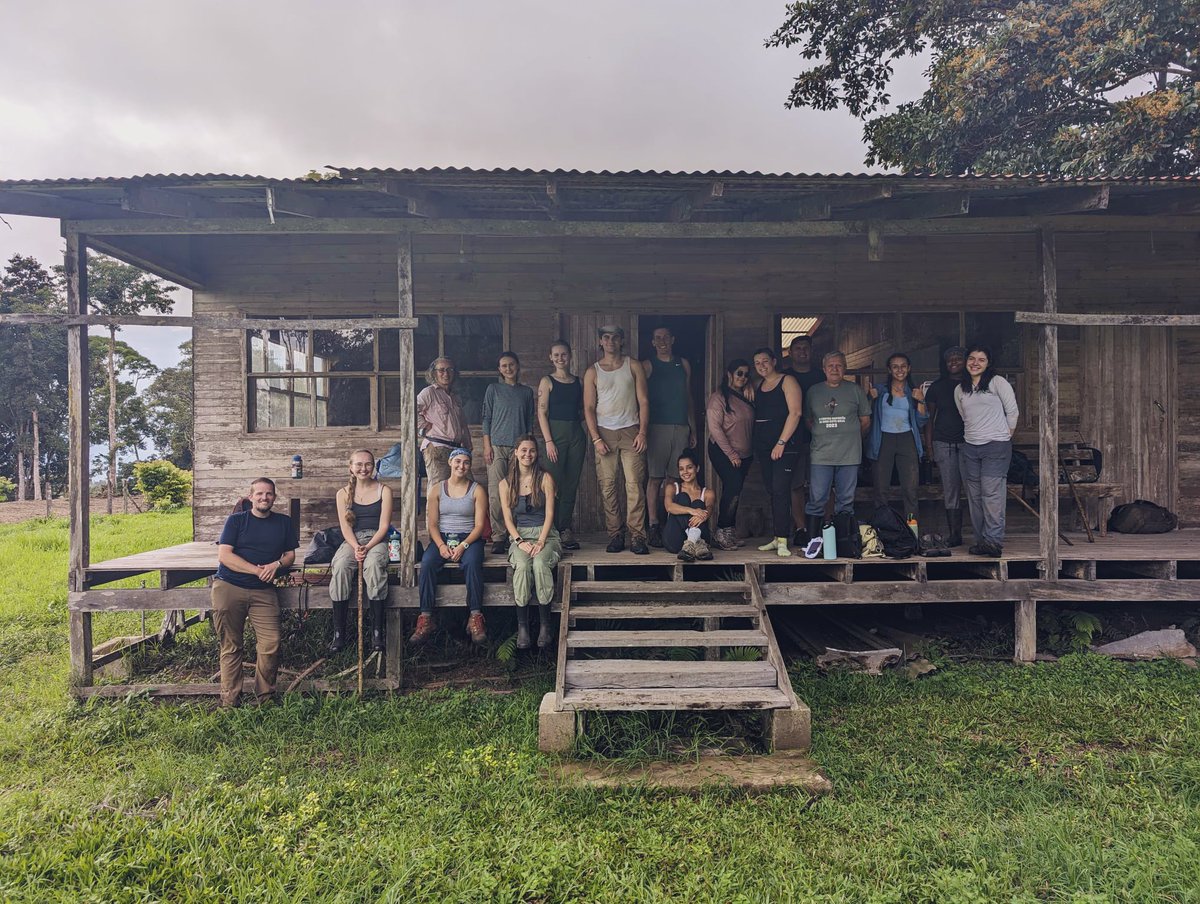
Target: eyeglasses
[
  {"x": 443, "y": 370},
  {"x": 741, "y": 373}
]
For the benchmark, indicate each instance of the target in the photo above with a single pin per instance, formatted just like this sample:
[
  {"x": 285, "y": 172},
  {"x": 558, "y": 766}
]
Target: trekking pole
[{"x": 360, "y": 628}]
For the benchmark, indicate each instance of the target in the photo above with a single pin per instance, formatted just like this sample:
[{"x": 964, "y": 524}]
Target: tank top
[
  {"x": 366, "y": 517},
  {"x": 684, "y": 499},
  {"x": 770, "y": 414},
  {"x": 528, "y": 516},
  {"x": 668, "y": 390},
  {"x": 616, "y": 397},
  {"x": 566, "y": 400},
  {"x": 456, "y": 516}
]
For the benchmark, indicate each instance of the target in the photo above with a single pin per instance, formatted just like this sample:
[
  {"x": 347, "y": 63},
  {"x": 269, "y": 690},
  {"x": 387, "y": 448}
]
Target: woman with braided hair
[{"x": 364, "y": 508}]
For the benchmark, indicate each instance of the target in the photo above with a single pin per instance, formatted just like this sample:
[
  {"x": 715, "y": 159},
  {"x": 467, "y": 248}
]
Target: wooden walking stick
[{"x": 360, "y": 628}]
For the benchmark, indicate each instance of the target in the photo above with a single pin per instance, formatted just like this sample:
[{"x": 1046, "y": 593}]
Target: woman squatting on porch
[
  {"x": 364, "y": 508},
  {"x": 455, "y": 515},
  {"x": 527, "y": 504},
  {"x": 689, "y": 508}
]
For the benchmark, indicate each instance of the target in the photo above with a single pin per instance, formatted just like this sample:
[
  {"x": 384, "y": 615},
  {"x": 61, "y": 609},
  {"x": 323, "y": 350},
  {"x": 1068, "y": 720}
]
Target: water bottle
[
  {"x": 393, "y": 545},
  {"x": 297, "y": 467},
  {"x": 829, "y": 540},
  {"x": 912, "y": 524}
]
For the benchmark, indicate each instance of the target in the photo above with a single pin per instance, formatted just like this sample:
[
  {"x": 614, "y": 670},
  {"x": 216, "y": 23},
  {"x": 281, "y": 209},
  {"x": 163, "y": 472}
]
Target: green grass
[{"x": 1077, "y": 781}]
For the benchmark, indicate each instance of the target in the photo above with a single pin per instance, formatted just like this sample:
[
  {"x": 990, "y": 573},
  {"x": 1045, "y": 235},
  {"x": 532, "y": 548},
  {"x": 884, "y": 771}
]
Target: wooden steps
[{"x": 605, "y": 683}]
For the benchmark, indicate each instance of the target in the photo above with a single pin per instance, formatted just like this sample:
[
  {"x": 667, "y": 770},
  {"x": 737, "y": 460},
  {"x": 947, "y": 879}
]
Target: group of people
[{"x": 807, "y": 428}]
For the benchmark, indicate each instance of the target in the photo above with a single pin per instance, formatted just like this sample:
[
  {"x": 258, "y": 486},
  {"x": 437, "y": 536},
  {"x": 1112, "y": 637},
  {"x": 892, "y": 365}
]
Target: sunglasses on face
[{"x": 741, "y": 373}]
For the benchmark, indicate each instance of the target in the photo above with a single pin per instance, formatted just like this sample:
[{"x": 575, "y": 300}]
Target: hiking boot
[
  {"x": 424, "y": 629},
  {"x": 703, "y": 553},
  {"x": 800, "y": 538},
  {"x": 378, "y": 642},
  {"x": 639, "y": 548},
  {"x": 566, "y": 539},
  {"x": 523, "y": 641},
  {"x": 723, "y": 538},
  {"x": 954, "y": 527},
  {"x": 616, "y": 543},
  {"x": 654, "y": 537},
  {"x": 543, "y": 640},
  {"x": 500, "y": 548},
  {"x": 688, "y": 552},
  {"x": 338, "y": 642},
  {"x": 477, "y": 629},
  {"x": 993, "y": 550}
]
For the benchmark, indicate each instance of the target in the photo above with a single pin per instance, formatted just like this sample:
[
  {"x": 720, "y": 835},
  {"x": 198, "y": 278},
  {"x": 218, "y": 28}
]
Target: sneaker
[
  {"x": 616, "y": 543},
  {"x": 654, "y": 537},
  {"x": 567, "y": 539},
  {"x": 814, "y": 548},
  {"x": 977, "y": 550},
  {"x": 993, "y": 550},
  {"x": 500, "y": 548},
  {"x": 424, "y": 629},
  {"x": 688, "y": 552},
  {"x": 476, "y": 628},
  {"x": 639, "y": 548},
  {"x": 703, "y": 553}
]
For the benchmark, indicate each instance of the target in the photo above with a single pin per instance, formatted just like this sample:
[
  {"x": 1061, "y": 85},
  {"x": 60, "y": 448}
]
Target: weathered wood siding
[{"x": 1187, "y": 425}]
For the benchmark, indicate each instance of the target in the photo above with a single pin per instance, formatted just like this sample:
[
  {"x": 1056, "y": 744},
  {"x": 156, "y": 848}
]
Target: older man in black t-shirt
[{"x": 255, "y": 545}]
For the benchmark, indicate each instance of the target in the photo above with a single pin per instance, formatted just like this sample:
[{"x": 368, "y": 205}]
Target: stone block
[{"x": 556, "y": 730}]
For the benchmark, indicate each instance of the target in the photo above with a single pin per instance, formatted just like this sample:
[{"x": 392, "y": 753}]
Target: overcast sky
[{"x": 278, "y": 88}]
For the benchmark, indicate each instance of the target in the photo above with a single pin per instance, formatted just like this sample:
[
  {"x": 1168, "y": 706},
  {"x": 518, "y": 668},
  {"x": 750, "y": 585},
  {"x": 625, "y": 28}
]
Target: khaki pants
[
  {"x": 231, "y": 605},
  {"x": 496, "y": 472},
  {"x": 437, "y": 463},
  {"x": 536, "y": 570},
  {"x": 343, "y": 577},
  {"x": 621, "y": 457}
]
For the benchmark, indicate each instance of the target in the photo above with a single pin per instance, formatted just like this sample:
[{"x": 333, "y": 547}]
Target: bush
[
  {"x": 164, "y": 485},
  {"x": 8, "y": 490}
]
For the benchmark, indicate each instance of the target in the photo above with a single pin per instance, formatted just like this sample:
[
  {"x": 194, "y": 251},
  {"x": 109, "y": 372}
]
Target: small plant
[
  {"x": 742, "y": 654},
  {"x": 8, "y": 490},
  {"x": 1072, "y": 630},
  {"x": 164, "y": 485}
]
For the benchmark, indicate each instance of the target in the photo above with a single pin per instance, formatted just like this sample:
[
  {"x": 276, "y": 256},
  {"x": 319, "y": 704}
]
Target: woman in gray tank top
[
  {"x": 455, "y": 513},
  {"x": 527, "y": 502}
]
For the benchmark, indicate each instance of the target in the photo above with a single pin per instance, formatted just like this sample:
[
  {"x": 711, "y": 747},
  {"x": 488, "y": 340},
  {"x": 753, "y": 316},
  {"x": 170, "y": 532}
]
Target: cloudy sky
[{"x": 278, "y": 88}]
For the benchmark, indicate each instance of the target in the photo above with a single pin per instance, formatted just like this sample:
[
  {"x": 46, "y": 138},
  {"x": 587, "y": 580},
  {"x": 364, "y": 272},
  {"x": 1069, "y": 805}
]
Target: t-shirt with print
[
  {"x": 834, "y": 413},
  {"x": 258, "y": 541}
]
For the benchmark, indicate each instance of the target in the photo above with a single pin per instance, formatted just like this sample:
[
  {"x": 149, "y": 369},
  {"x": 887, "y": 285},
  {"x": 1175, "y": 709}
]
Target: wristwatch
[{"x": 781, "y": 443}]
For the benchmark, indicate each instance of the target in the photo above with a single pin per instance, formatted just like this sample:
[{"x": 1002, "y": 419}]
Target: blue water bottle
[{"x": 829, "y": 540}]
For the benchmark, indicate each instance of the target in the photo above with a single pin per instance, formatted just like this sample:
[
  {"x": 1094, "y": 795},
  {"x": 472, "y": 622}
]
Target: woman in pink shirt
[
  {"x": 730, "y": 419},
  {"x": 441, "y": 423}
]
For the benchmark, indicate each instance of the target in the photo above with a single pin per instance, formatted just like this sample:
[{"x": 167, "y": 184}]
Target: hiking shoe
[
  {"x": 724, "y": 538},
  {"x": 616, "y": 543},
  {"x": 566, "y": 539},
  {"x": 654, "y": 537},
  {"x": 993, "y": 550},
  {"x": 423, "y": 631},
  {"x": 688, "y": 552},
  {"x": 639, "y": 548},
  {"x": 800, "y": 537},
  {"x": 500, "y": 548},
  {"x": 703, "y": 553},
  {"x": 814, "y": 548},
  {"x": 933, "y": 546},
  {"x": 476, "y": 628},
  {"x": 977, "y": 550}
]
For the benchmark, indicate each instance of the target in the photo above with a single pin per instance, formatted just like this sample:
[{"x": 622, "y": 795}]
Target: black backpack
[
  {"x": 322, "y": 546},
  {"x": 849, "y": 540},
  {"x": 1021, "y": 470},
  {"x": 1142, "y": 517},
  {"x": 898, "y": 540}
]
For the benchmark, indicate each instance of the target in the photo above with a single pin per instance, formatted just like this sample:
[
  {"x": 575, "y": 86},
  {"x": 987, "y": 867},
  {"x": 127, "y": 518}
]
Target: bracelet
[{"x": 597, "y": 440}]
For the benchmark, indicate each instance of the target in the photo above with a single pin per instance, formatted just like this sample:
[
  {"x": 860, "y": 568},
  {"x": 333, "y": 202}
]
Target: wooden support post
[
  {"x": 79, "y": 460},
  {"x": 394, "y": 654},
  {"x": 1048, "y": 415},
  {"x": 1025, "y": 630},
  {"x": 409, "y": 487}
]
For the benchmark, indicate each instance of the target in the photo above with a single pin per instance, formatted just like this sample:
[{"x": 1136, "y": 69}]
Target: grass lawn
[{"x": 1076, "y": 781}]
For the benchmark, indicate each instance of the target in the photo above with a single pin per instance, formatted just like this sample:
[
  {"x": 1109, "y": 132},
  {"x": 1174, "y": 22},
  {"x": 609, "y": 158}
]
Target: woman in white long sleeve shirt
[{"x": 989, "y": 411}]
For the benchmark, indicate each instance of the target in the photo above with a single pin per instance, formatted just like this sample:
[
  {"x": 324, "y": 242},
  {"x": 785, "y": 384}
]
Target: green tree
[
  {"x": 1073, "y": 87},
  {"x": 117, "y": 290},
  {"x": 169, "y": 399},
  {"x": 129, "y": 429}
]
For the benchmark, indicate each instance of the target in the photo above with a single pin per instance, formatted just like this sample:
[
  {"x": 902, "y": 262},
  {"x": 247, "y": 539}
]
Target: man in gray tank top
[{"x": 616, "y": 408}]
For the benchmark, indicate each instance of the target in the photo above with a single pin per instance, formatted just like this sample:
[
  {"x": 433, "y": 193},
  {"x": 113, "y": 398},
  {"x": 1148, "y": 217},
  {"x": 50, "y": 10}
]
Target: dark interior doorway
[{"x": 691, "y": 342}]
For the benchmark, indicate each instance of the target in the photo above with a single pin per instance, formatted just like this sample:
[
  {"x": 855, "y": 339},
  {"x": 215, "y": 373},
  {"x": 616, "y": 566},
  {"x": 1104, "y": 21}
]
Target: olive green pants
[{"x": 538, "y": 570}]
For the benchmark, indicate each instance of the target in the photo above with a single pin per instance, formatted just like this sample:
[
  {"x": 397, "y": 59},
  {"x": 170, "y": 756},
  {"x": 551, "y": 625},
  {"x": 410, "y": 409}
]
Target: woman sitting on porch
[
  {"x": 527, "y": 503},
  {"x": 364, "y": 508},
  {"x": 455, "y": 514},
  {"x": 689, "y": 508},
  {"x": 730, "y": 419}
]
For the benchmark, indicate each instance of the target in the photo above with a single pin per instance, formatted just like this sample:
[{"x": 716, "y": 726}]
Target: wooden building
[{"x": 318, "y": 304}]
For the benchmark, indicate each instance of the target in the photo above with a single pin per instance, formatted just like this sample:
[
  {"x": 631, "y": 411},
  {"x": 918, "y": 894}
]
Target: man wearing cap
[
  {"x": 672, "y": 426},
  {"x": 616, "y": 409},
  {"x": 944, "y": 438}
]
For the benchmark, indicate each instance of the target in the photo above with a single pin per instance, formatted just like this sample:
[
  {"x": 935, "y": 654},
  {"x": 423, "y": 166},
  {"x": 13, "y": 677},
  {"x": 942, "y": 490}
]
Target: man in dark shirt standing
[
  {"x": 799, "y": 365},
  {"x": 944, "y": 437},
  {"x": 255, "y": 545}
]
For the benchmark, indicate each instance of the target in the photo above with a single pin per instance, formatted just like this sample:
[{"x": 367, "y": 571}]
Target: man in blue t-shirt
[{"x": 255, "y": 545}]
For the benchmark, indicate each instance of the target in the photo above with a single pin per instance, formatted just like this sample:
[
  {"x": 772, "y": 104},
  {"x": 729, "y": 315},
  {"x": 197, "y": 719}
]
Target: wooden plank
[
  {"x": 680, "y": 209},
  {"x": 774, "y": 655},
  {"x": 564, "y": 621},
  {"x": 214, "y": 690},
  {"x": 151, "y": 260},
  {"x": 409, "y": 487},
  {"x": 208, "y": 321},
  {"x": 1025, "y": 630},
  {"x": 690, "y": 589},
  {"x": 664, "y": 610},
  {"x": 1048, "y": 414},
  {"x": 580, "y": 640},
  {"x": 645, "y": 673},
  {"x": 80, "y": 637},
  {"x": 164, "y": 202},
  {"x": 79, "y": 461},
  {"x": 1109, "y": 319},
  {"x": 676, "y": 698}
]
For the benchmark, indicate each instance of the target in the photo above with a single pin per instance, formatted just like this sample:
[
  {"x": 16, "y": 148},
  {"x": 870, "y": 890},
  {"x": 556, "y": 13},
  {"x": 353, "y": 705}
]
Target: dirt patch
[
  {"x": 754, "y": 774},
  {"x": 15, "y": 512}
]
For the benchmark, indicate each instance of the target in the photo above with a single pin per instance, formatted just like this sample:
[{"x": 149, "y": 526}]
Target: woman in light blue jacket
[{"x": 895, "y": 437}]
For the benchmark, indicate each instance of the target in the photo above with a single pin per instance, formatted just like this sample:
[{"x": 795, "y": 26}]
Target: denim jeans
[
  {"x": 985, "y": 473},
  {"x": 842, "y": 479},
  {"x": 471, "y": 564}
]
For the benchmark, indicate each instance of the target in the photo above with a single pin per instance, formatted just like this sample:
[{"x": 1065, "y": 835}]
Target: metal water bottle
[
  {"x": 829, "y": 540},
  {"x": 393, "y": 545},
  {"x": 297, "y": 467}
]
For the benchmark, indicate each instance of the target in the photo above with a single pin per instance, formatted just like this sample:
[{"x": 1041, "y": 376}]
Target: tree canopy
[{"x": 1074, "y": 87}]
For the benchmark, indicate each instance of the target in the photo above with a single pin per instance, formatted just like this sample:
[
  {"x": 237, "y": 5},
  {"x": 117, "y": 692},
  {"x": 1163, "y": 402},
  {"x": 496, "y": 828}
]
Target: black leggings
[
  {"x": 732, "y": 480},
  {"x": 777, "y": 481},
  {"x": 675, "y": 529}
]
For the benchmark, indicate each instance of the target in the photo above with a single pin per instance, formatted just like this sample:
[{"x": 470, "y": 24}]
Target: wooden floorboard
[
  {"x": 577, "y": 640},
  {"x": 676, "y": 698},
  {"x": 644, "y": 673},
  {"x": 662, "y": 610}
]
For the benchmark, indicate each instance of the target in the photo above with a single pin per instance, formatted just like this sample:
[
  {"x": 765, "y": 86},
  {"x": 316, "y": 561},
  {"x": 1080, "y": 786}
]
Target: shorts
[{"x": 664, "y": 444}]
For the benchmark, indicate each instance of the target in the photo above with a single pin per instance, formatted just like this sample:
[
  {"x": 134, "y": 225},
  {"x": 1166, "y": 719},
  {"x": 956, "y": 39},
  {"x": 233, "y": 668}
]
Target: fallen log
[{"x": 872, "y": 662}]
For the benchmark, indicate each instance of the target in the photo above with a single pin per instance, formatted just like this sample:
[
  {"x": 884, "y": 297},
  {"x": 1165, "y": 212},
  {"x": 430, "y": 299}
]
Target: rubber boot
[
  {"x": 377, "y": 628},
  {"x": 340, "y": 610},
  {"x": 544, "y": 627},
  {"x": 813, "y": 525},
  {"x": 523, "y": 642},
  {"x": 954, "y": 527}
]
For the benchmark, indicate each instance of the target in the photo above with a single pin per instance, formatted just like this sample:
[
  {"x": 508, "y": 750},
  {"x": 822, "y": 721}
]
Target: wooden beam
[
  {"x": 1025, "y": 630},
  {"x": 297, "y": 203},
  {"x": 167, "y": 203},
  {"x": 852, "y": 197},
  {"x": 41, "y": 204},
  {"x": 874, "y": 242},
  {"x": 555, "y": 201},
  {"x": 212, "y": 321},
  {"x": 1048, "y": 413},
  {"x": 308, "y": 686},
  {"x": 79, "y": 456},
  {"x": 422, "y": 202},
  {"x": 916, "y": 207},
  {"x": 1108, "y": 319},
  {"x": 680, "y": 210},
  {"x": 1046, "y": 202},
  {"x": 130, "y": 252},
  {"x": 409, "y": 485}
]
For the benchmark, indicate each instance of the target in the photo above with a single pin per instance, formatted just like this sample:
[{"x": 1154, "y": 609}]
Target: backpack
[
  {"x": 322, "y": 546},
  {"x": 1021, "y": 470},
  {"x": 893, "y": 532},
  {"x": 849, "y": 540},
  {"x": 1142, "y": 517},
  {"x": 871, "y": 547},
  {"x": 389, "y": 465}
]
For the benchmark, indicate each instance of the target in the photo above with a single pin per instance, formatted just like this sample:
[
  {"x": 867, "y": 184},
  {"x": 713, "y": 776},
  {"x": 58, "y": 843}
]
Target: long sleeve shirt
[
  {"x": 730, "y": 430},
  {"x": 441, "y": 418},
  {"x": 988, "y": 417},
  {"x": 507, "y": 412}
]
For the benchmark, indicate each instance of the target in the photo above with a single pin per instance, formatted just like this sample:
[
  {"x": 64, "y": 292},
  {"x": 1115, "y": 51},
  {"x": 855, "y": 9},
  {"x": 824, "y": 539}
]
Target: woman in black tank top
[
  {"x": 688, "y": 505},
  {"x": 778, "y": 404},
  {"x": 560, "y": 416},
  {"x": 364, "y": 508}
]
